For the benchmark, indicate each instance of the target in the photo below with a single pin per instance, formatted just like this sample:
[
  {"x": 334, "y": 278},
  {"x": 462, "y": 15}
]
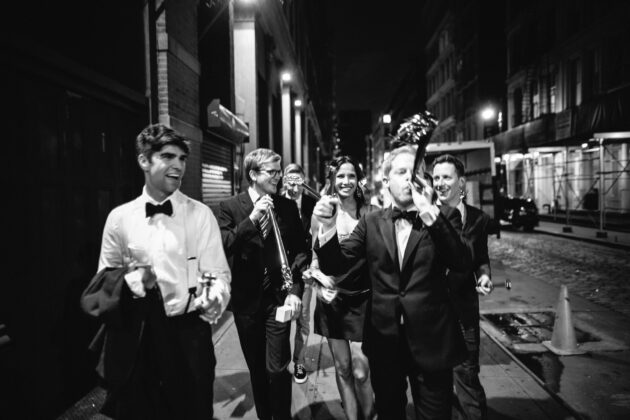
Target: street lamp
[
  {"x": 285, "y": 76},
  {"x": 387, "y": 118},
  {"x": 490, "y": 120},
  {"x": 297, "y": 103},
  {"x": 488, "y": 113}
]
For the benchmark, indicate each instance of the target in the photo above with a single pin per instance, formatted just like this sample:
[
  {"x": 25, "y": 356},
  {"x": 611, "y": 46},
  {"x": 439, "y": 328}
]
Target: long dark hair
[{"x": 333, "y": 168}]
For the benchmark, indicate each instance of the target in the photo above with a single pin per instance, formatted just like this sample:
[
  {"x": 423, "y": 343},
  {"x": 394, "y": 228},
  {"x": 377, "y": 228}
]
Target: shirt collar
[
  {"x": 412, "y": 208},
  {"x": 462, "y": 210},
  {"x": 253, "y": 194},
  {"x": 176, "y": 198}
]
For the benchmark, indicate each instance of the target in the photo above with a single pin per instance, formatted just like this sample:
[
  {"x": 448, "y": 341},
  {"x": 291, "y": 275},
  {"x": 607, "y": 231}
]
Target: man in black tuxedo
[
  {"x": 293, "y": 189},
  {"x": 258, "y": 286},
  {"x": 449, "y": 182},
  {"x": 411, "y": 328}
]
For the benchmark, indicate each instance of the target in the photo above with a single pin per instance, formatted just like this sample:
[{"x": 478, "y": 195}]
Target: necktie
[
  {"x": 265, "y": 225},
  {"x": 401, "y": 214},
  {"x": 166, "y": 208}
]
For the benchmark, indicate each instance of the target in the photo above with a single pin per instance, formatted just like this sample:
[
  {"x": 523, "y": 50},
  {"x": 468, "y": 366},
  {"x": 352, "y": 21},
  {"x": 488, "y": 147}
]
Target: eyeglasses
[{"x": 272, "y": 172}]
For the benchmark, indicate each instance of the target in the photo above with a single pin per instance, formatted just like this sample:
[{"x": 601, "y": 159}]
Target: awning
[{"x": 223, "y": 123}]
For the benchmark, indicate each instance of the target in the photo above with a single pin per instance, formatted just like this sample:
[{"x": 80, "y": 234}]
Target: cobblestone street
[{"x": 595, "y": 272}]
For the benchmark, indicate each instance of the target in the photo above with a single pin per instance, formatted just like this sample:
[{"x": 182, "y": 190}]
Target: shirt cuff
[
  {"x": 430, "y": 215},
  {"x": 324, "y": 237},
  {"x": 221, "y": 288},
  {"x": 134, "y": 281}
]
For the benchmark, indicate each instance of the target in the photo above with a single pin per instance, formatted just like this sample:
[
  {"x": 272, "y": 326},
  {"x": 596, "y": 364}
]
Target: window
[
  {"x": 552, "y": 93},
  {"x": 444, "y": 40},
  {"x": 597, "y": 72},
  {"x": 575, "y": 82},
  {"x": 535, "y": 98},
  {"x": 518, "y": 107}
]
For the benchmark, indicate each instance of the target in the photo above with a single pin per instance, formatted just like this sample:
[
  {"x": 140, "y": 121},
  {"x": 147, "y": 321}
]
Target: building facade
[{"x": 568, "y": 105}]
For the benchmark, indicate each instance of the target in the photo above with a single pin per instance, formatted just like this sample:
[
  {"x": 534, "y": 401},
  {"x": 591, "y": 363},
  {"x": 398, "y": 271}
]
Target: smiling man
[
  {"x": 259, "y": 287},
  {"x": 159, "y": 359},
  {"x": 450, "y": 184}
]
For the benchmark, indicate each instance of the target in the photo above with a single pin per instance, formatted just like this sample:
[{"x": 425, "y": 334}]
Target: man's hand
[
  {"x": 211, "y": 305},
  {"x": 321, "y": 278},
  {"x": 260, "y": 208},
  {"x": 325, "y": 211},
  {"x": 148, "y": 277},
  {"x": 423, "y": 199},
  {"x": 144, "y": 272},
  {"x": 326, "y": 295},
  {"x": 295, "y": 303},
  {"x": 484, "y": 285}
]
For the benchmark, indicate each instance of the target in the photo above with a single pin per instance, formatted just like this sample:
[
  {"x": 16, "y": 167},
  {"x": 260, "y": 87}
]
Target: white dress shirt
[
  {"x": 462, "y": 210},
  {"x": 253, "y": 194},
  {"x": 161, "y": 242},
  {"x": 403, "y": 230}
]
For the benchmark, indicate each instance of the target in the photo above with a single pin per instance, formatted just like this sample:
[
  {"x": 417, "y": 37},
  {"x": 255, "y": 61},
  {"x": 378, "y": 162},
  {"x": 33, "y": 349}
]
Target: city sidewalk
[
  {"x": 595, "y": 384},
  {"x": 511, "y": 390},
  {"x": 513, "y": 393},
  {"x": 613, "y": 238}
]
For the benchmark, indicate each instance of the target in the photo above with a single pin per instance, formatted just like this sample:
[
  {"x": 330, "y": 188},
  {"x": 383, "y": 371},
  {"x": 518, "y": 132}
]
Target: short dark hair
[
  {"x": 294, "y": 168},
  {"x": 458, "y": 164},
  {"x": 155, "y": 136}
]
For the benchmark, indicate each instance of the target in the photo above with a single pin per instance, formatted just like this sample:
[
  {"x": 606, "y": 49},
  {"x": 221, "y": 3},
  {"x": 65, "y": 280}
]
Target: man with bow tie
[
  {"x": 161, "y": 245},
  {"x": 411, "y": 331}
]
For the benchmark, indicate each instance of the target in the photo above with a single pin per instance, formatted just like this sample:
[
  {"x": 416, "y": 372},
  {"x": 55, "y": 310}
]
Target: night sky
[{"x": 375, "y": 41}]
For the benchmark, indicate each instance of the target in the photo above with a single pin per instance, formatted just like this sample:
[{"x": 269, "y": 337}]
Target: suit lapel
[
  {"x": 386, "y": 226},
  {"x": 246, "y": 203},
  {"x": 471, "y": 219}
]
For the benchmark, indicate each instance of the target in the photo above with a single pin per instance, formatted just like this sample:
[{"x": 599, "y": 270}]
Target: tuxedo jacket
[
  {"x": 419, "y": 292},
  {"x": 306, "y": 212},
  {"x": 475, "y": 233},
  {"x": 124, "y": 318},
  {"x": 249, "y": 256}
]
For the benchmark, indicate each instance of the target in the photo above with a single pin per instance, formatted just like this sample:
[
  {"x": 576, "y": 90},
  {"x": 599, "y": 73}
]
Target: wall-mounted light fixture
[
  {"x": 285, "y": 76},
  {"x": 297, "y": 103}
]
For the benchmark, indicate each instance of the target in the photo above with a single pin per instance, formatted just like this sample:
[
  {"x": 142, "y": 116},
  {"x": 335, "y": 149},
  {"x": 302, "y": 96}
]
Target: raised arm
[{"x": 235, "y": 235}]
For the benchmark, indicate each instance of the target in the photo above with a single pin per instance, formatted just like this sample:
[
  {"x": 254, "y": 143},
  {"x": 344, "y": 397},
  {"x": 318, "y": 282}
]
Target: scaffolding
[{"x": 586, "y": 184}]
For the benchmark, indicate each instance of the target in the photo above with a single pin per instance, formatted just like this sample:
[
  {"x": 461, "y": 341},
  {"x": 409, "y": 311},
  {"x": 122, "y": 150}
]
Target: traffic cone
[{"x": 563, "y": 342}]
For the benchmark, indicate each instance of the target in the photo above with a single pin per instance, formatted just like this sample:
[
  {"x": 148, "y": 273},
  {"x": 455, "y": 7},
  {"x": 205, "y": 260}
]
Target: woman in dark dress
[{"x": 340, "y": 312}]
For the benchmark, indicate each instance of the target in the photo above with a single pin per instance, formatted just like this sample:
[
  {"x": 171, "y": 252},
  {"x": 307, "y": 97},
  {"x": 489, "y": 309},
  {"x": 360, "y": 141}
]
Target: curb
[
  {"x": 536, "y": 379},
  {"x": 617, "y": 245}
]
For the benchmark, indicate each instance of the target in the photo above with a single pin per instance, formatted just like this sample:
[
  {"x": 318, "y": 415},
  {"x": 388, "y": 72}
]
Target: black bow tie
[
  {"x": 401, "y": 214},
  {"x": 166, "y": 208}
]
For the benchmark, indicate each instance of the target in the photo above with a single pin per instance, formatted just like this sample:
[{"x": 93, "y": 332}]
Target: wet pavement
[
  {"x": 594, "y": 271},
  {"x": 595, "y": 385}
]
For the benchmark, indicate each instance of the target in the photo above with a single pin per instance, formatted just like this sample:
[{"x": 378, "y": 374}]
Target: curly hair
[{"x": 155, "y": 136}]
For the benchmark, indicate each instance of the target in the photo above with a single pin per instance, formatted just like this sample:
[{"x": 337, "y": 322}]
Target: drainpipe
[
  {"x": 152, "y": 62},
  {"x": 567, "y": 228},
  {"x": 601, "y": 233}
]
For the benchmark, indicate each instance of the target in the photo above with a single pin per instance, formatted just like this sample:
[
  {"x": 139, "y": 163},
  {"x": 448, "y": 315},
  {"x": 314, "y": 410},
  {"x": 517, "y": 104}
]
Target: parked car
[{"x": 518, "y": 212}]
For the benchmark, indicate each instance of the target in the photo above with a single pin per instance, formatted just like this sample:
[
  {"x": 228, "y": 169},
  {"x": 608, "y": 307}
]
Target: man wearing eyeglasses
[{"x": 257, "y": 282}]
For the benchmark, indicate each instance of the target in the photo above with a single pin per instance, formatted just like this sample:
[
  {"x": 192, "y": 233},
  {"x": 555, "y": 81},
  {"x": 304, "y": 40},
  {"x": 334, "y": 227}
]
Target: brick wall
[{"x": 178, "y": 78}]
